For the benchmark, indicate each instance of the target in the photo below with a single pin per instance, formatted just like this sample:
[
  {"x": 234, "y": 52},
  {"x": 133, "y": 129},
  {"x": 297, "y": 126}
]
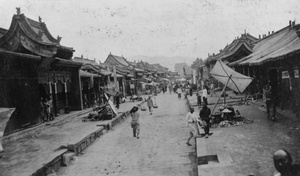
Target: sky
[{"x": 190, "y": 28}]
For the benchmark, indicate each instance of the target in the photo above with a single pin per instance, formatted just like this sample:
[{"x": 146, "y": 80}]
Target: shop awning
[
  {"x": 234, "y": 80},
  {"x": 87, "y": 74},
  {"x": 274, "y": 47},
  {"x": 105, "y": 72},
  {"x": 130, "y": 75},
  {"x": 118, "y": 75}
]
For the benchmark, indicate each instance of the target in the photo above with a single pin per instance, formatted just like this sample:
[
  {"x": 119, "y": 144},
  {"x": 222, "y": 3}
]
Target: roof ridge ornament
[
  {"x": 18, "y": 10},
  {"x": 40, "y": 34},
  {"x": 40, "y": 19},
  {"x": 58, "y": 39}
]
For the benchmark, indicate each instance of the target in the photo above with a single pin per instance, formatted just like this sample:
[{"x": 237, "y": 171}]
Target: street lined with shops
[
  {"x": 161, "y": 150},
  {"x": 229, "y": 110},
  {"x": 40, "y": 149}
]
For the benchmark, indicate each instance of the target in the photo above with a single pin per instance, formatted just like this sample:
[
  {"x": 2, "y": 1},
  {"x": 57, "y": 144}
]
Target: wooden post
[
  {"x": 221, "y": 95},
  {"x": 66, "y": 95},
  {"x": 56, "y": 100}
]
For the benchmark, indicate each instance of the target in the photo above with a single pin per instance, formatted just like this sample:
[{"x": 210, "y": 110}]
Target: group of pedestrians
[
  {"x": 46, "y": 106},
  {"x": 135, "y": 115},
  {"x": 195, "y": 122},
  {"x": 202, "y": 96}
]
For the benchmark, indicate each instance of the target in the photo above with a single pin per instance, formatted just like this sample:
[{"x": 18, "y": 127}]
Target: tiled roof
[
  {"x": 35, "y": 37},
  {"x": 2, "y": 32},
  {"x": 85, "y": 60},
  {"x": 121, "y": 60},
  {"x": 273, "y": 47},
  {"x": 246, "y": 41},
  {"x": 160, "y": 68}
]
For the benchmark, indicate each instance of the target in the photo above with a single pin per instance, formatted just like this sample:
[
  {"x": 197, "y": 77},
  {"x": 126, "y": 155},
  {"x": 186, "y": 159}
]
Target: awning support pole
[{"x": 221, "y": 95}]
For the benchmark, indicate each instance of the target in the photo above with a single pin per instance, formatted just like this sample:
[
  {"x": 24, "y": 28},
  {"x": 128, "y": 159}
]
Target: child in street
[{"x": 135, "y": 124}]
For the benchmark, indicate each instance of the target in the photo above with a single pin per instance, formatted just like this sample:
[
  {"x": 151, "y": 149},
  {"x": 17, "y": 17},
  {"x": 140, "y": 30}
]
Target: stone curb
[
  {"x": 78, "y": 147},
  {"x": 39, "y": 127}
]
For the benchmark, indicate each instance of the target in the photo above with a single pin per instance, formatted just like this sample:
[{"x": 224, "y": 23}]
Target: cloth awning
[
  {"x": 5, "y": 114},
  {"x": 118, "y": 75},
  {"x": 130, "y": 75},
  {"x": 105, "y": 72},
  {"x": 236, "y": 81},
  {"x": 87, "y": 74}
]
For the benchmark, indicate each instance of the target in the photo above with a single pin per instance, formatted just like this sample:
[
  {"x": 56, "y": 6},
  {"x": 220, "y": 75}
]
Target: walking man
[
  {"x": 135, "y": 124},
  {"x": 150, "y": 104},
  {"x": 205, "y": 118},
  {"x": 170, "y": 88},
  {"x": 179, "y": 92},
  {"x": 191, "y": 121}
]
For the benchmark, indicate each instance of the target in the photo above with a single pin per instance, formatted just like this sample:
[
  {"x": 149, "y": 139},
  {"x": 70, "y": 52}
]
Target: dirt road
[{"x": 160, "y": 150}]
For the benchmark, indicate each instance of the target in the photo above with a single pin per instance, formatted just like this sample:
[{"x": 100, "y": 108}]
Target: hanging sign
[
  {"x": 50, "y": 87},
  {"x": 296, "y": 73},
  {"x": 285, "y": 75}
]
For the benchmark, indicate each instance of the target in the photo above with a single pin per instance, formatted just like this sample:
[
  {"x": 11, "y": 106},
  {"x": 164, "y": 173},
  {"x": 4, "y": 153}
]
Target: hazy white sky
[{"x": 190, "y": 28}]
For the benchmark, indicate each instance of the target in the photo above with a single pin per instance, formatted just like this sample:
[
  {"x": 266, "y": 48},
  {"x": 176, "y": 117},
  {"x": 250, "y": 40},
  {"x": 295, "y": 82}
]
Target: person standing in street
[
  {"x": 135, "y": 124},
  {"x": 43, "y": 109},
  {"x": 117, "y": 97},
  {"x": 212, "y": 89},
  {"x": 49, "y": 109},
  {"x": 205, "y": 118},
  {"x": 204, "y": 94},
  {"x": 270, "y": 101},
  {"x": 191, "y": 121},
  {"x": 179, "y": 92},
  {"x": 170, "y": 88},
  {"x": 199, "y": 98},
  {"x": 150, "y": 104}
]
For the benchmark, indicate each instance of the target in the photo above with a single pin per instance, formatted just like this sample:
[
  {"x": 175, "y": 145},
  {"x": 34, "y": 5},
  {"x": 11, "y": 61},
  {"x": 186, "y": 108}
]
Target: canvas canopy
[{"x": 234, "y": 80}]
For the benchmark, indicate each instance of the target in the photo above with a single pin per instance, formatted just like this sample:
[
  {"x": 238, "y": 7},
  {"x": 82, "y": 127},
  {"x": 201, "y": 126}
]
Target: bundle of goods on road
[
  {"x": 102, "y": 112},
  {"x": 226, "y": 116},
  {"x": 136, "y": 98}
]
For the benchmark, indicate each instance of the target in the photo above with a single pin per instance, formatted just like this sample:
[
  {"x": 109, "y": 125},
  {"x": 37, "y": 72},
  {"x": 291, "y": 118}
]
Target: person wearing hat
[
  {"x": 191, "y": 121},
  {"x": 135, "y": 124},
  {"x": 150, "y": 104},
  {"x": 283, "y": 162},
  {"x": 205, "y": 117}
]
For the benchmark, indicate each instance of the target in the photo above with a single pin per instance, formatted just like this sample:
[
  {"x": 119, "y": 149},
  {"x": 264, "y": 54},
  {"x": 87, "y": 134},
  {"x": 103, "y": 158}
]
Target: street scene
[{"x": 150, "y": 88}]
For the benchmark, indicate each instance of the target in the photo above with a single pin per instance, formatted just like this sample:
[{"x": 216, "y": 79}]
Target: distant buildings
[{"x": 183, "y": 69}]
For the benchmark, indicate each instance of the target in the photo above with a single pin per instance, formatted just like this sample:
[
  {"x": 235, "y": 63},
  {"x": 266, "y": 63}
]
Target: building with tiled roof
[
  {"x": 275, "y": 61},
  {"x": 33, "y": 37},
  {"x": 160, "y": 68},
  {"x": 33, "y": 61},
  {"x": 237, "y": 49}
]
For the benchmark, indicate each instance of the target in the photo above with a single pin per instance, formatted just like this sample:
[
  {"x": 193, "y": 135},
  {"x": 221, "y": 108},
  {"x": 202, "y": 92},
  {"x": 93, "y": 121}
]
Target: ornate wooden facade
[{"x": 33, "y": 66}]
